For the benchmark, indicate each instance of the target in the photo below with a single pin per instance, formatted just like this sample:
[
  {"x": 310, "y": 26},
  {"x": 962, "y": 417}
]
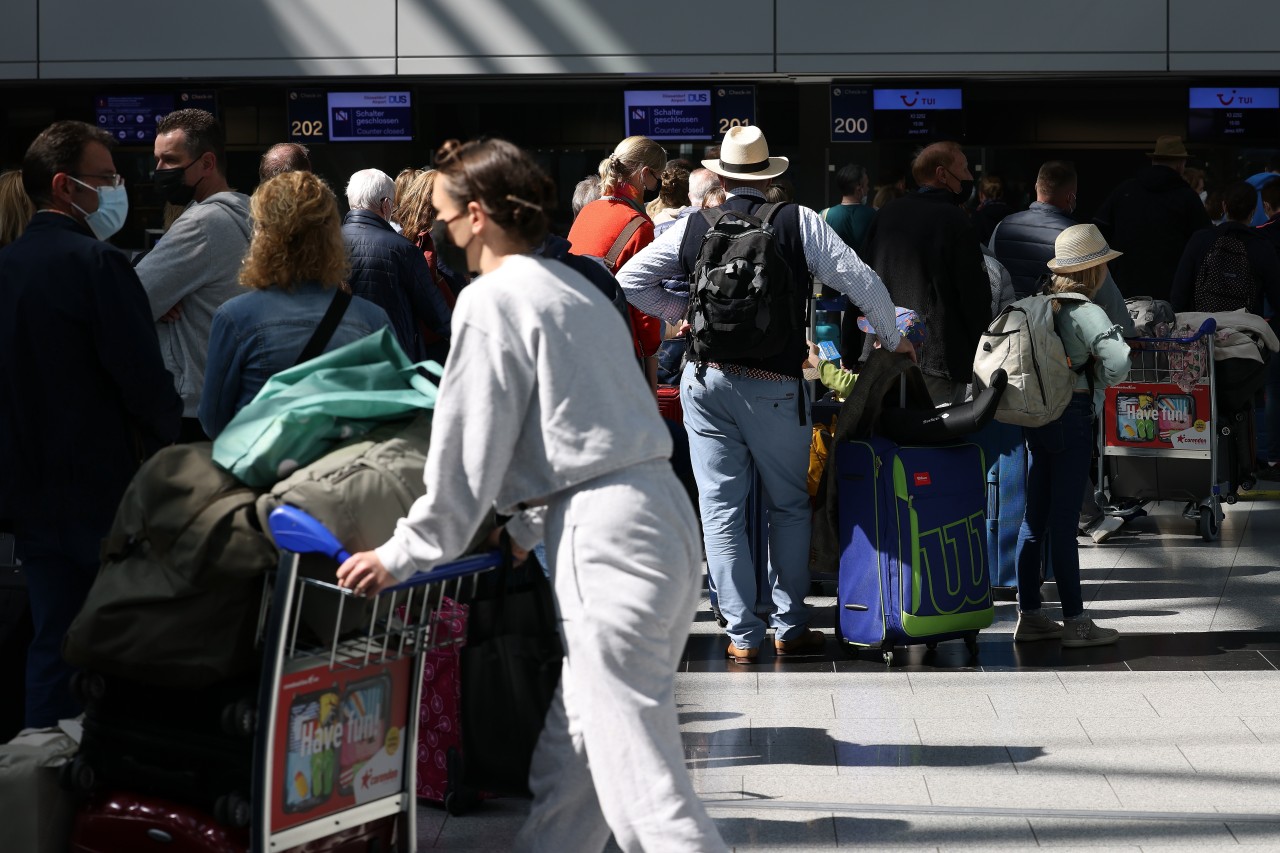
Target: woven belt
[{"x": 750, "y": 372}]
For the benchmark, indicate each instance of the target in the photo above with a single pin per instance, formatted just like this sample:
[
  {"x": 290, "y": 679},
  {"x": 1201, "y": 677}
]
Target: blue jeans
[
  {"x": 732, "y": 423},
  {"x": 1058, "y": 456},
  {"x": 60, "y": 561}
]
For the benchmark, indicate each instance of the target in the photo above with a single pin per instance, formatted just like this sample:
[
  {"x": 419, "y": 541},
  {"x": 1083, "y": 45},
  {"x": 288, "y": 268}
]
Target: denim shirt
[
  {"x": 1085, "y": 329},
  {"x": 259, "y": 333}
]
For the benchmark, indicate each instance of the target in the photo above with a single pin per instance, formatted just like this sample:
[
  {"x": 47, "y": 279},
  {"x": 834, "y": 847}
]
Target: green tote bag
[{"x": 303, "y": 412}]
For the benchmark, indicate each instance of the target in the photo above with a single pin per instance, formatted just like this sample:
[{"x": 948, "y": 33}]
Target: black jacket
[
  {"x": 1150, "y": 218},
  {"x": 1024, "y": 243},
  {"x": 926, "y": 251},
  {"x": 1263, "y": 262},
  {"x": 84, "y": 396},
  {"x": 391, "y": 272}
]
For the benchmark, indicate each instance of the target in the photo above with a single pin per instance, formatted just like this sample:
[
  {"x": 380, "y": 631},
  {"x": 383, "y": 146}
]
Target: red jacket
[{"x": 593, "y": 233}]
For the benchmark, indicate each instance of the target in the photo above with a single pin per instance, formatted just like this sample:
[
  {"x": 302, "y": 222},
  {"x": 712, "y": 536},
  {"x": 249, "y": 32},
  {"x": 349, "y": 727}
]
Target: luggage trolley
[
  {"x": 337, "y": 742},
  {"x": 1160, "y": 430}
]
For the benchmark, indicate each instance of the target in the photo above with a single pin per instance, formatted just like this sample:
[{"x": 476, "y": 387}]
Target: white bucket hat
[
  {"x": 1080, "y": 247},
  {"x": 744, "y": 154}
]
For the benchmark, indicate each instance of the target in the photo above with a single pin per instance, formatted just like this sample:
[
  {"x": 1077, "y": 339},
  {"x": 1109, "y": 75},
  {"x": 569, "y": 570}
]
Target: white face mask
[{"x": 113, "y": 207}]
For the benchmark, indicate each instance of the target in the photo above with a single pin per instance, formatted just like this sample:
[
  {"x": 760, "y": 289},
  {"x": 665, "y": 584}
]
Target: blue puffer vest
[{"x": 1024, "y": 243}]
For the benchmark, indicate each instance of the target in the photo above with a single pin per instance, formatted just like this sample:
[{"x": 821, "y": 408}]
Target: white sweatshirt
[{"x": 541, "y": 393}]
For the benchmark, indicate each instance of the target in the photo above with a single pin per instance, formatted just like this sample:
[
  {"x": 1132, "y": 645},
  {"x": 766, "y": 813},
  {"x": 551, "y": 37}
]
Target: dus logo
[
  {"x": 698, "y": 97},
  {"x": 397, "y": 99}
]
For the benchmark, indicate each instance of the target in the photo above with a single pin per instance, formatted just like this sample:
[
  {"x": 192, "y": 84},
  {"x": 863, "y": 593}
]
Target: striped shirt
[{"x": 828, "y": 258}]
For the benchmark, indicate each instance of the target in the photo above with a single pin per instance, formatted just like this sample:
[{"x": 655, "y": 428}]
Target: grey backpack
[{"x": 1023, "y": 340}]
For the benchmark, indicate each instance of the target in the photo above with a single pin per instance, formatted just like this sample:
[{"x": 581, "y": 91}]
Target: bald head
[
  {"x": 284, "y": 157},
  {"x": 939, "y": 164}
]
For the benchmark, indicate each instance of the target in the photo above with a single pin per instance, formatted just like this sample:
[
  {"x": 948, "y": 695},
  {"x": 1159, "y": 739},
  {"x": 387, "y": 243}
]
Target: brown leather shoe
[
  {"x": 808, "y": 643},
  {"x": 742, "y": 655}
]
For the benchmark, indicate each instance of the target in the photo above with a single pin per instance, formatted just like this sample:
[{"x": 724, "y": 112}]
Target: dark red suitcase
[
  {"x": 669, "y": 403},
  {"x": 131, "y": 823}
]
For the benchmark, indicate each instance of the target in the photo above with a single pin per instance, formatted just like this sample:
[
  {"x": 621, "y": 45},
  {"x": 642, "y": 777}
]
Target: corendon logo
[
  {"x": 1181, "y": 440},
  {"x": 923, "y": 478},
  {"x": 369, "y": 778}
]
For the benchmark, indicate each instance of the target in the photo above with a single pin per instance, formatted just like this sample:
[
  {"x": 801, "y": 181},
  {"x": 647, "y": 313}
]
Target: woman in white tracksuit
[{"x": 541, "y": 405}]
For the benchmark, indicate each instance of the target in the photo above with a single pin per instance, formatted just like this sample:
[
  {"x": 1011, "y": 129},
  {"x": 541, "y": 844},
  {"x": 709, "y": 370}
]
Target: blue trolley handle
[
  {"x": 296, "y": 530},
  {"x": 1208, "y": 327}
]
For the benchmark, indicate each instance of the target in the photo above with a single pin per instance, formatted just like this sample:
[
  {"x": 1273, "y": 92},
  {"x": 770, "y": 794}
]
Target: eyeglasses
[{"x": 113, "y": 179}]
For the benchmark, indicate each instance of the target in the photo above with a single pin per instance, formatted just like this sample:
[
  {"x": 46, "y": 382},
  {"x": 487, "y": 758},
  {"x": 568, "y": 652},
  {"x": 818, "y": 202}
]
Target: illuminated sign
[
  {"x": 1225, "y": 113},
  {"x": 926, "y": 114},
  {"x": 851, "y": 114},
  {"x": 669, "y": 114},
  {"x": 370, "y": 117},
  {"x": 131, "y": 119}
]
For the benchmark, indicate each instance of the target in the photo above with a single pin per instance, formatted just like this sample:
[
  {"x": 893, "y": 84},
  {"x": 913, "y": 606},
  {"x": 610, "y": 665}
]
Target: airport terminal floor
[{"x": 1168, "y": 740}]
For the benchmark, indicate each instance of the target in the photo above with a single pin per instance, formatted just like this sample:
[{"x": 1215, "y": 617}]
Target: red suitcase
[
  {"x": 131, "y": 823},
  {"x": 669, "y": 403}
]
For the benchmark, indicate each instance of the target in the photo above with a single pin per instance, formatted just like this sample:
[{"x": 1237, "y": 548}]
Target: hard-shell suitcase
[
  {"x": 123, "y": 821},
  {"x": 913, "y": 564}
]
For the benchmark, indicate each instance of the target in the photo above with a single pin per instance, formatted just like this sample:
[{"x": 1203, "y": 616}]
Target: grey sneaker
[
  {"x": 1105, "y": 526},
  {"x": 1078, "y": 633},
  {"x": 1034, "y": 625}
]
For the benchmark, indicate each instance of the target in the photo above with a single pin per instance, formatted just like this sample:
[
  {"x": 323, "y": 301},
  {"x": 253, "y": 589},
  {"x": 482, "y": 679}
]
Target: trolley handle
[
  {"x": 296, "y": 530},
  {"x": 1208, "y": 327}
]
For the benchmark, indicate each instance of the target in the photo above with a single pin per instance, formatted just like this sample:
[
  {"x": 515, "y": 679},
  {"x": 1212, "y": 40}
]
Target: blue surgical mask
[{"x": 113, "y": 207}]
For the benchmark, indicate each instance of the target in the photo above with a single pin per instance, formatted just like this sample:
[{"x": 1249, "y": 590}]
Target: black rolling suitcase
[{"x": 192, "y": 746}]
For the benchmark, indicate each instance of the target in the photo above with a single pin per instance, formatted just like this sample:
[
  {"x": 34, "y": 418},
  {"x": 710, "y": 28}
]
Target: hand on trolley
[{"x": 364, "y": 574}]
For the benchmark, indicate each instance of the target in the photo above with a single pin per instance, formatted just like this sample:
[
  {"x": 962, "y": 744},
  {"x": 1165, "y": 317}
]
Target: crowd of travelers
[{"x": 552, "y": 348}]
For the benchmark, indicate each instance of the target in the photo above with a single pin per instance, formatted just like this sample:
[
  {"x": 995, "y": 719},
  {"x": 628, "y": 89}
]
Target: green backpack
[{"x": 178, "y": 595}]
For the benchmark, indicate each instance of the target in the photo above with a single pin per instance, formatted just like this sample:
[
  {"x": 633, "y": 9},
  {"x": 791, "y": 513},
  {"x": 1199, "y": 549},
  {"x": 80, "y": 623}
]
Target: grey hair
[
  {"x": 701, "y": 182},
  {"x": 368, "y": 188}
]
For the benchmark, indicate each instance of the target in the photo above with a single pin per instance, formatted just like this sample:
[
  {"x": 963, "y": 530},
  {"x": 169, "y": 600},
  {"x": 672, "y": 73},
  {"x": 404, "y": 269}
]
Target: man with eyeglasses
[
  {"x": 84, "y": 396},
  {"x": 392, "y": 272},
  {"x": 195, "y": 266}
]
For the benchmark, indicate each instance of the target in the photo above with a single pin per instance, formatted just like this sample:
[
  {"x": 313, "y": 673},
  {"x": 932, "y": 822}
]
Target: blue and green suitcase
[{"x": 913, "y": 540}]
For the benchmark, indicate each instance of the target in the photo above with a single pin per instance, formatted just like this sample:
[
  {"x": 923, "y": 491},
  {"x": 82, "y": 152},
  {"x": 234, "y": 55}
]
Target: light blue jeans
[{"x": 733, "y": 422}]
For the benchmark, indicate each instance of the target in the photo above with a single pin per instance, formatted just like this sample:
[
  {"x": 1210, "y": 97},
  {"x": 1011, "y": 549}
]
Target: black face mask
[
  {"x": 449, "y": 254},
  {"x": 965, "y": 191},
  {"x": 172, "y": 186}
]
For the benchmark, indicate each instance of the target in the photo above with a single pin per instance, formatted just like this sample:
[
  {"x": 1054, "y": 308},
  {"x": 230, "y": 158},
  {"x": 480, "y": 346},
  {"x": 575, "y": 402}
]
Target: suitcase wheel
[
  {"x": 77, "y": 776},
  {"x": 240, "y": 719},
  {"x": 931, "y": 645},
  {"x": 87, "y": 687},
  {"x": 232, "y": 810}
]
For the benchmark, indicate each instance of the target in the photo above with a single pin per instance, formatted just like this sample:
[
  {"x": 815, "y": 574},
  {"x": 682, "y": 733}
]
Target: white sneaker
[
  {"x": 1034, "y": 625},
  {"x": 1081, "y": 632},
  {"x": 1105, "y": 526}
]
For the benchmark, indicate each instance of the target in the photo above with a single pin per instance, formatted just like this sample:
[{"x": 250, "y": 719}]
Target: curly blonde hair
[
  {"x": 16, "y": 208},
  {"x": 297, "y": 235},
  {"x": 417, "y": 213}
]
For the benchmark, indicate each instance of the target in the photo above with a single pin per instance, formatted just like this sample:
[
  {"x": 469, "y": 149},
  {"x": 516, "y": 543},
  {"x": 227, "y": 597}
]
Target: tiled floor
[{"x": 1169, "y": 740}]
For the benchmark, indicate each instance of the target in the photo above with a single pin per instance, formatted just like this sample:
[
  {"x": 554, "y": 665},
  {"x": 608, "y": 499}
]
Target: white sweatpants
[{"x": 624, "y": 562}]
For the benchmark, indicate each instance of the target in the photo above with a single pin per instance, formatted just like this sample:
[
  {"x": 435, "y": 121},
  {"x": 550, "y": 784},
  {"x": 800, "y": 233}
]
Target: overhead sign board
[
  {"x": 932, "y": 114},
  {"x": 1233, "y": 113},
  {"x": 370, "y": 117},
  {"x": 851, "y": 114},
  {"x": 669, "y": 113}
]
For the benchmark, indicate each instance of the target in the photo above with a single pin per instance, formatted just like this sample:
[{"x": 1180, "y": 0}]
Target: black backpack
[
  {"x": 1224, "y": 280},
  {"x": 743, "y": 301}
]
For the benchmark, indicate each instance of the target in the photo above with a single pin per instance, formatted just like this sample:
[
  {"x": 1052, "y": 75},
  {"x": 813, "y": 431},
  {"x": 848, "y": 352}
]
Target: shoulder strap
[
  {"x": 767, "y": 212},
  {"x": 328, "y": 325},
  {"x": 611, "y": 259}
]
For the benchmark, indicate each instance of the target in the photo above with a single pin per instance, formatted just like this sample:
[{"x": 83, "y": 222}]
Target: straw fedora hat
[
  {"x": 1080, "y": 247},
  {"x": 1170, "y": 146},
  {"x": 744, "y": 154}
]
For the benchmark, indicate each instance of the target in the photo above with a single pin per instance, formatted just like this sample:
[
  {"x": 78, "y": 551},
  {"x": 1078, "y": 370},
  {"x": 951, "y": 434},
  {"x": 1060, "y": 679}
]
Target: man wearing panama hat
[
  {"x": 741, "y": 412},
  {"x": 1150, "y": 217}
]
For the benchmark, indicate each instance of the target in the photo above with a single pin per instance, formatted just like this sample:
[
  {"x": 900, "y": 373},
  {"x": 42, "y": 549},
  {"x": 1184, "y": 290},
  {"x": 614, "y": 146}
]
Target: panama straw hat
[
  {"x": 1080, "y": 247},
  {"x": 1170, "y": 146},
  {"x": 744, "y": 154}
]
